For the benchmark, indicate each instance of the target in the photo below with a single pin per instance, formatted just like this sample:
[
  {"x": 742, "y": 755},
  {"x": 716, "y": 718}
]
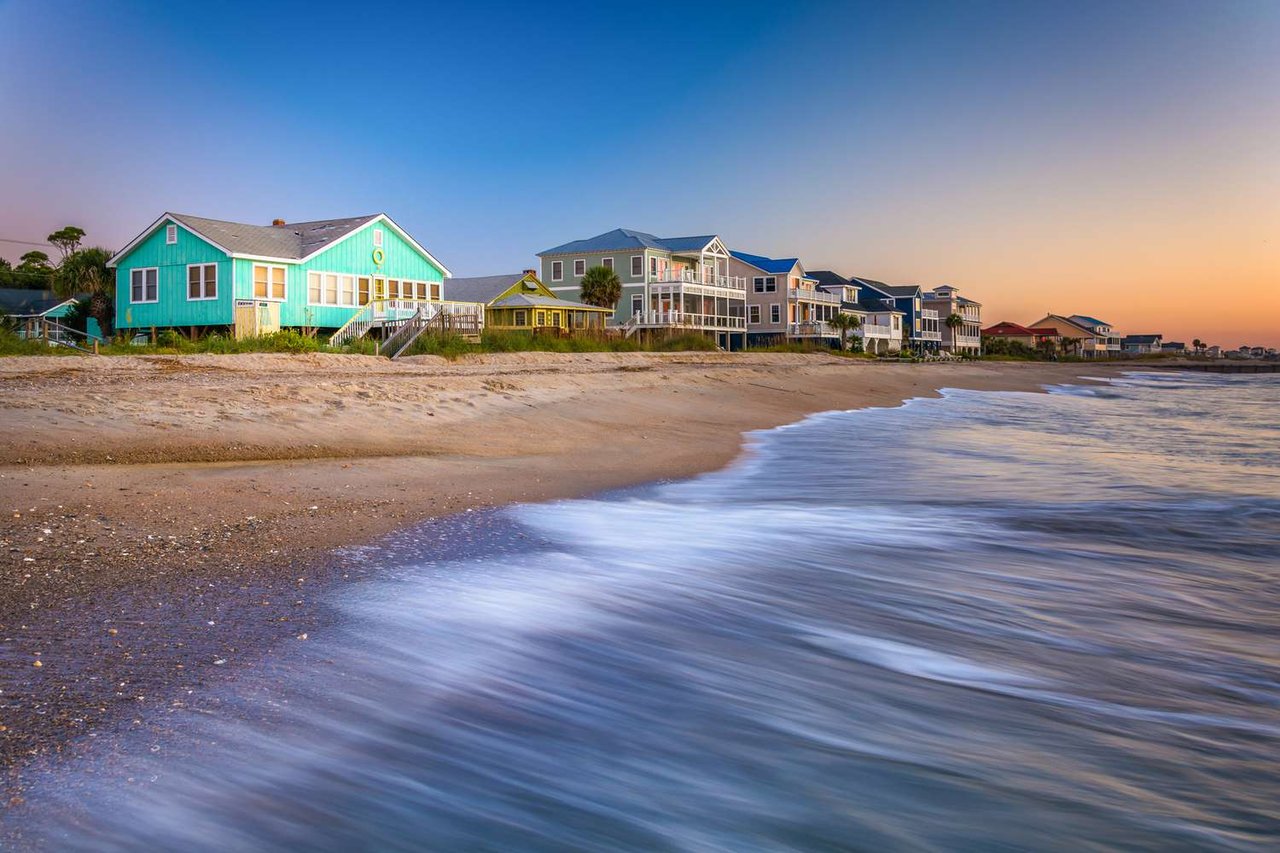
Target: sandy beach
[{"x": 169, "y": 520}]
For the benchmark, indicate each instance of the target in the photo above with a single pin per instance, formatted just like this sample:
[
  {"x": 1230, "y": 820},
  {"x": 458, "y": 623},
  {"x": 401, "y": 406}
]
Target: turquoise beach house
[{"x": 199, "y": 275}]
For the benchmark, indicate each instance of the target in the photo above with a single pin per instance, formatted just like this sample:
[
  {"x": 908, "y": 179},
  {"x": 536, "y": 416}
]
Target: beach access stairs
[{"x": 399, "y": 323}]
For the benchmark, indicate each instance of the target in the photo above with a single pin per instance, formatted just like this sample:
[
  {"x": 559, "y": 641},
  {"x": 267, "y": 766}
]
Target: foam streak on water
[{"x": 989, "y": 621}]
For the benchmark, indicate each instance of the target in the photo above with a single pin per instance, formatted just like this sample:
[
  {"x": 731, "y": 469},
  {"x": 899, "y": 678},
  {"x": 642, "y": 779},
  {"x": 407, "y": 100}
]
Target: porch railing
[
  {"x": 813, "y": 295},
  {"x": 731, "y": 282},
  {"x": 688, "y": 320}
]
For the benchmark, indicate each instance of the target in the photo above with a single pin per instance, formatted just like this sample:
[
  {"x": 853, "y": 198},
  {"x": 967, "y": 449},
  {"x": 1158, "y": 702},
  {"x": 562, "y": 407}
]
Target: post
[{"x": 95, "y": 346}]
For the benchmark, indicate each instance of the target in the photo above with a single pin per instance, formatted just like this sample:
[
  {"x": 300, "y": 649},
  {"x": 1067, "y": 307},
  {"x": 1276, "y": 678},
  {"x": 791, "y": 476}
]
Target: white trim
[
  {"x": 555, "y": 277},
  {"x": 390, "y": 224},
  {"x": 609, "y": 265},
  {"x": 775, "y": 307},
  {"x": 151, "y": 229},
  {"x": 756, "y": 321},
  {"x": 577, "y": 261},
  {"x": 253, "y": 284},
  {"x": 639, "y": 258},
  {"x": 144, "y": 301},
  {"x": 204, "y": 285},
  {"x": 171, "y": 234}
]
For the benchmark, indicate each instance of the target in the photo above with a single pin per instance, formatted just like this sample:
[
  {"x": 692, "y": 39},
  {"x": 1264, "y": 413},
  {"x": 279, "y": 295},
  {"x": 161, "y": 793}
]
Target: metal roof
[
  {"x": 760, "y": 262},
  {"x": 622, "y": 239}
]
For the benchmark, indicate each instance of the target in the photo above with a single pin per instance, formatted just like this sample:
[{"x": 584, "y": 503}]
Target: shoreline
[{"x": 192, "y": 538}]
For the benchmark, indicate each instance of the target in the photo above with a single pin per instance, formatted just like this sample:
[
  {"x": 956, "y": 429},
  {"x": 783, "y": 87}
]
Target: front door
[{"x": 379, "y": 288}]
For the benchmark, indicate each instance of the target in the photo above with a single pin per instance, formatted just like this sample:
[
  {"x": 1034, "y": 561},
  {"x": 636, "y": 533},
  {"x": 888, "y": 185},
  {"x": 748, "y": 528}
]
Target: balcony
[
  {"x": 973, "y": 341},
  {"x": 700, "y": 277},
  {"x": 808, "y": 295},
  {"x": 876, "y": 330},
  {"x": 687, "y": 320},
  {"x": 815, "y": 329}
]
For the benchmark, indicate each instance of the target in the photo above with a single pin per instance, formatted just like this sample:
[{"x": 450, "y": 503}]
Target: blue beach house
[{"x": 196, "y": 275}]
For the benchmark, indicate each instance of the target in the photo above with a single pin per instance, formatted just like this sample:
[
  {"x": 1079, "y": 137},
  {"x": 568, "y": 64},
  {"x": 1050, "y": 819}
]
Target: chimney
[
  {"x": 531, "y": 272},
  {"x": 279, "y": 223}
]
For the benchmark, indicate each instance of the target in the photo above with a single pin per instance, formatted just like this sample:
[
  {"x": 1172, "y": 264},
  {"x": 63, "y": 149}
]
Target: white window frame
[
  {"x": 637, "y": 266},
  {"x": 377, "y": 238},
  {"x": 577, "y": 261},
  {"x": 753, "y": 314},
  {"x": 253, "y": 287},
  {"x": 204, "y": 283},
  {"x": 607, "y": 263},
  {"x": 637, "y": 303},
  {"x": 775, "y": 313},
  {"x": 557, "y": 270},
  {"x": 170, "y": 234},
  {"x": 144, "y": 271}
]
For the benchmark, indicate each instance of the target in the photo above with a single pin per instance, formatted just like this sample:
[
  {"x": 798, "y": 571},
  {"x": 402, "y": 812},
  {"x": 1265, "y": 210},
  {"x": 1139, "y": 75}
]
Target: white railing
[
  {"x": 670, "y": 276},
  {"x": 968, "y": 340},
  {"x": 689, "y": 320},
  {"x": 813, "y": 295},
  {"x": 875, "y": 330},
  {"x": 930, "y": 335},
  {"x": 815, "y": 329},
  {"x": 928, "y": 314},
  {"x": 380, "y": 312}
]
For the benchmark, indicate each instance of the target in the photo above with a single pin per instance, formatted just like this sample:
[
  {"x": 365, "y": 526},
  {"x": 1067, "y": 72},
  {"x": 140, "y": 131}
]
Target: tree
[
  {"x": 84, "y": 275},
  {"x": 66, "y": 239},
  {"x": 1197, "y": 345},
  {"x": 601, "y": 287},
  {"x": 1070, "y": 345},
  {"x": 34, "y": 261},
  {"x": 33, "y": 272},
  {"x": 844, "y": 324}
]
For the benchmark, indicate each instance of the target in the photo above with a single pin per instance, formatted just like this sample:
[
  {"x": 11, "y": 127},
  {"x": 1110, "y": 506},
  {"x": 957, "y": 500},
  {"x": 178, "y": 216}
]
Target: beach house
[
  {"x": 44, "y": 314},
  {"x": 783, "y": 302},
  {"x": 194, "y": 274},
  {"x": 1141, "y": 344},
  {"x": 1093, "y": 340},
  {"x": 669, "y": 284},
  {"x": 880, "y": 327},
  {"x": 944, "y": 302},
  {"x": 1032, "y": 338},
  {"x": 521, "y": 302},
  {"x": 922, "y": 326}
]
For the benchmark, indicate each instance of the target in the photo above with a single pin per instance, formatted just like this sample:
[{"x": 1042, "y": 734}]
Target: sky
[{"x": 1120, "y": 160}]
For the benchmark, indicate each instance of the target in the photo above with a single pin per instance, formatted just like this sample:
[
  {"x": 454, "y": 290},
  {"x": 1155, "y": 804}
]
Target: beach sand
[{"x": 167, "y": 521}]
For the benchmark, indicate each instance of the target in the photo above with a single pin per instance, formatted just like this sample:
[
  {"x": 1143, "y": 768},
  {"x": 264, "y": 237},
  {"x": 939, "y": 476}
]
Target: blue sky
[{"x": 1009, "y": 148}]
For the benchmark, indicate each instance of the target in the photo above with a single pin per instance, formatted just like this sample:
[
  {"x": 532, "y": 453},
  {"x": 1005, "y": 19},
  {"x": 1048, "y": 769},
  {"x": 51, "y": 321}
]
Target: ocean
[{"x": 989, "y": 621}]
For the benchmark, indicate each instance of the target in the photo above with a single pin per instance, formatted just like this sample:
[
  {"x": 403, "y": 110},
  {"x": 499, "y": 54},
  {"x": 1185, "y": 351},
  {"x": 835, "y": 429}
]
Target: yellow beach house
[{"x": 521, "y": 302}]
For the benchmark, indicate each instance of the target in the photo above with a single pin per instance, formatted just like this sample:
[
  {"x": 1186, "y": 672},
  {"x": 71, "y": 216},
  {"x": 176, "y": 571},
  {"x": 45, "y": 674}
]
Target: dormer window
[
  {"x": 170, "y": 234},
  {"x": 377, "y": 238}
]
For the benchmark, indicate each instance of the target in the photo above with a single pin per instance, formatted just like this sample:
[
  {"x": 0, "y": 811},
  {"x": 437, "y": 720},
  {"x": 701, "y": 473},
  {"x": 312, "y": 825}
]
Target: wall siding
[{"x": 173, "y": 307}]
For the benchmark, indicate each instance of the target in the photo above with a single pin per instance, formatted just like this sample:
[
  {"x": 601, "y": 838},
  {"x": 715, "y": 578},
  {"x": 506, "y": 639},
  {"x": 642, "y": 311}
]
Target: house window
[
  {"x": 653, "y": 267},
  {"x": 347, "y": 290},
  {"x": 362, "y": 291},
  {"x": 522, "y": 318},
  {"x": 607, "y": 263},
  {"x": 435, "y": 290},
  {"x": 268, "y": 282},
  {"x": 144, "y": 284},
  {"x": 202, "y": 281},
  {"x": 753, "y": 314},
  {"x": 542, "y": 319},
  {"x": 557, "y": 270},
  {"x": 170, "y": 234},
  {"x": 580, "y": 267},
  {"x": 775, "y": 313},
  {"x": 637, "y": 303},
  {"x": 637, "y": 265},
  {"x": 377, "y": 238},
  {"x": 765, "y": 284}
]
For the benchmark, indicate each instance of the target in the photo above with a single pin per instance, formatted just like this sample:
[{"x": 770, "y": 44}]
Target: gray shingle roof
[
  {"x": 827, "y": 278},
  {"x": 622, "y": 239},
  {"x": 539, "y": 301},
  {"x": 484, "y": 288},
  {"x": 293, "y": 241}
]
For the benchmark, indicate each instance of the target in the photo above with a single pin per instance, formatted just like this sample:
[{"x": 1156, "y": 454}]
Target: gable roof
[
  {"x": 21, "y": 302},
  {"x": 827, "y": 278},
  {"x": 1142, "y": 339},
  {"x": 539, "y": 301},
  {"x": 295, "y": 241},
  {"x": 1067, "y": 320},
  {"x": 1004, "y": 327},
  {"x": 760, "y": 262},
  {"x": 898, "y": 291},
  {"x": 621, "y": 239},
  {"x": 1088, "y": 322}
]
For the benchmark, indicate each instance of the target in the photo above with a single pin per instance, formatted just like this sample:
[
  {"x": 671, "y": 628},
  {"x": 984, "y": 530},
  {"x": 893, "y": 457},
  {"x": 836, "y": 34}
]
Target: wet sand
[{"x": 167, "y": 521}]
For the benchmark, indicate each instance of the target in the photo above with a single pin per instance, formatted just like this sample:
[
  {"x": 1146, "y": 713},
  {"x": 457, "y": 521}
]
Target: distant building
[
  {"x": 1032, "y": 338},
  {"x": 1083, "y": 336},
  {"x": 881, "y": 325},
  {"x": 922, "y": 325},
  {"x": 1141, "y": 344},
  {"x": 945, "y": 301},
  {"x": 520, "y": 302},
  {"x": 1177, "y": 347},
  {"x": 26, "y": 310}
]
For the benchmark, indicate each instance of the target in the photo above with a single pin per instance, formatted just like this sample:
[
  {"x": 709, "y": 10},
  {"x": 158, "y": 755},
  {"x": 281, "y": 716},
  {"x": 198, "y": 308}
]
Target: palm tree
[
  {"x": 954, "y": 321},
  {"x": 844, "y": 324},
  {"x": 601, "y": 287},
  {"x": 84, "y": 274},
  {"x": 1197, "y": 345}
]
